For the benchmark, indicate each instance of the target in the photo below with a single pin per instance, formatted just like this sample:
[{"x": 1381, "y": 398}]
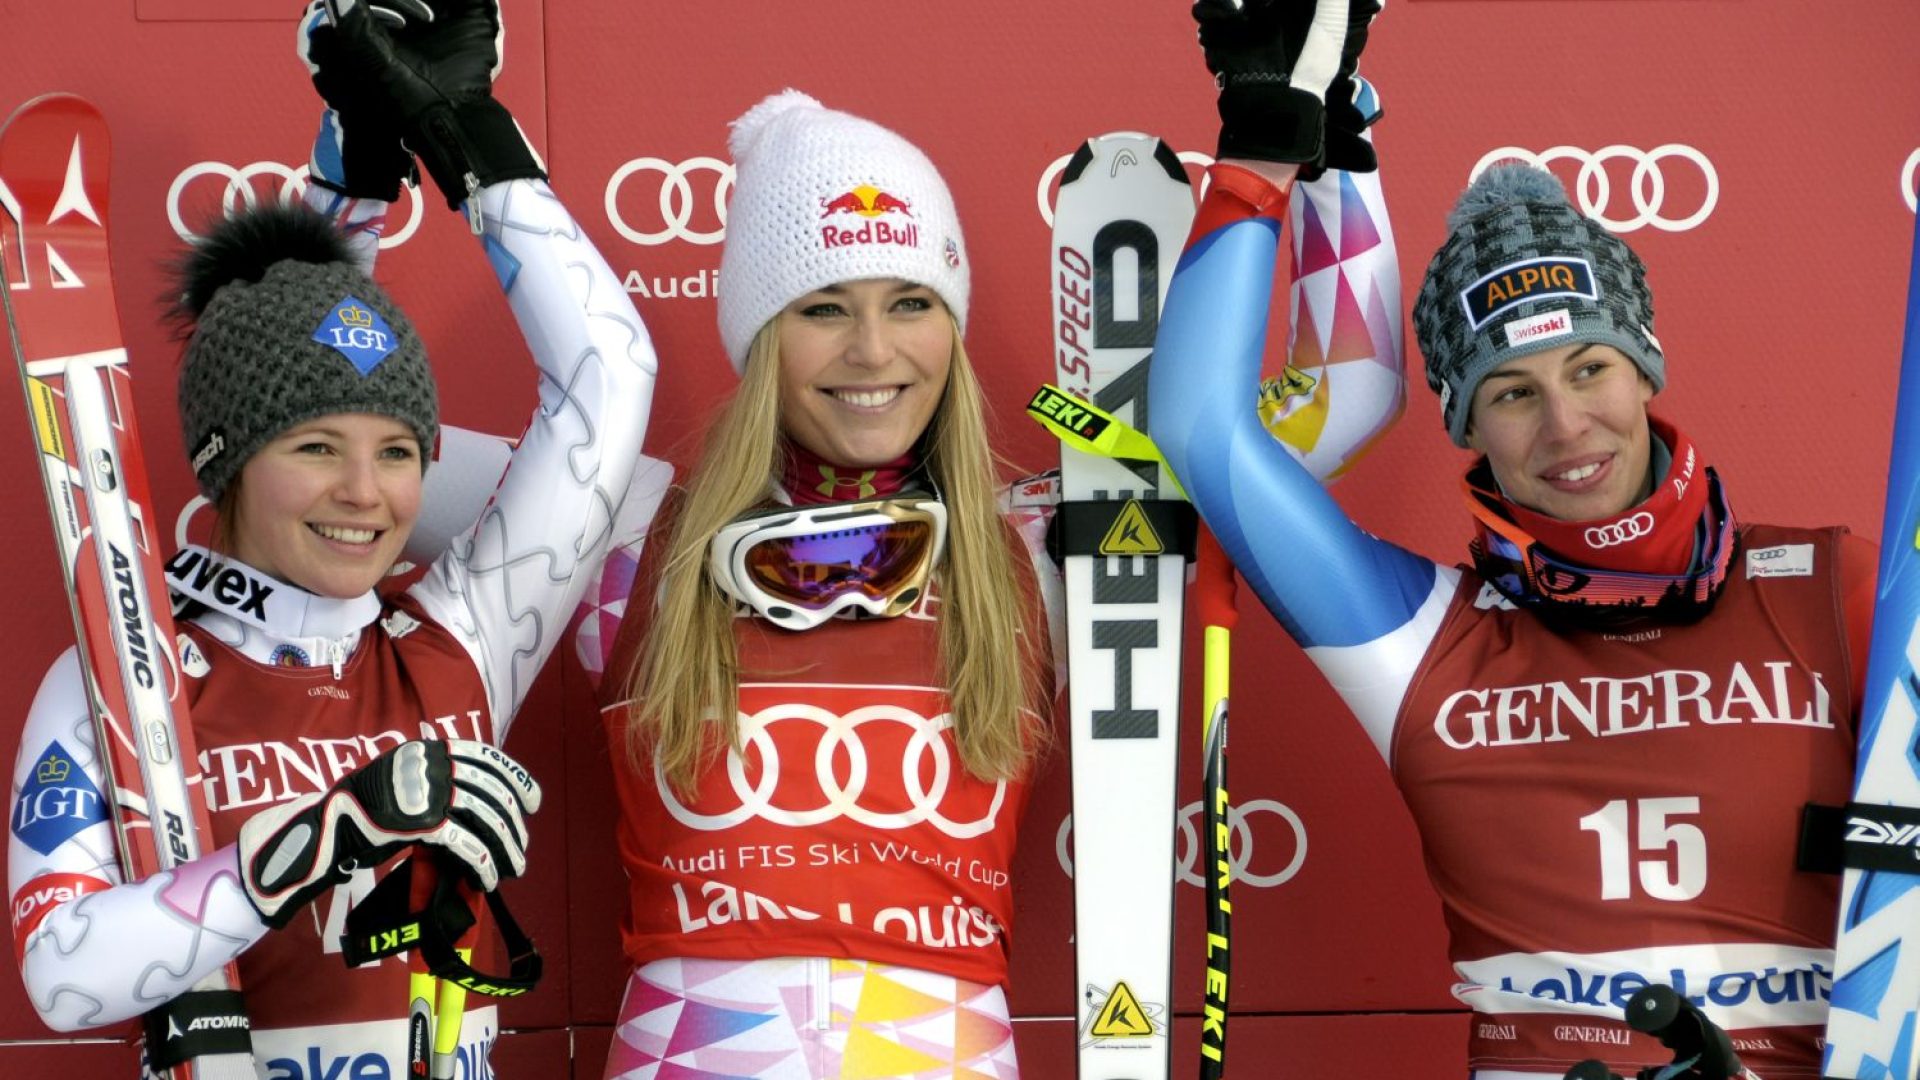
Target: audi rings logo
[
  {"x": 1908, "y": 189},
  {"x": 1647, "y": 189},
  {"x": 1624, "y": 531},
  {"x": 684, "y": 216},
  {"x": 248, "y": 184},
  {"x": 1240, "y": 849},
  {"x": 870, "y": 805},
  {"x": 1043, "y": 195}
]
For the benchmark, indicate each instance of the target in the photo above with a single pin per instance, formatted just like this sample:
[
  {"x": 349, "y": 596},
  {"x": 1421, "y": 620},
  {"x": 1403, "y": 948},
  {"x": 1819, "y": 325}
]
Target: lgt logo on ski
[
  {"x": 356, "y": 331},
  {"x": 868, "y": 202},
  {"x": 1118, "y": 1014},
  {"x": 58, "y": 801}
]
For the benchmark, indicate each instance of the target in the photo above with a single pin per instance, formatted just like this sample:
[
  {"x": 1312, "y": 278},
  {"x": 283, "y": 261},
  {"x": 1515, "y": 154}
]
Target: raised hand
[
  {"x": 1274, "y": 61},
  {"x": 435, "y": 76}
]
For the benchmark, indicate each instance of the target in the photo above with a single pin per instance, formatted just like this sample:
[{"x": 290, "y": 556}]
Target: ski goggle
[{"x": 798, "y": 566}]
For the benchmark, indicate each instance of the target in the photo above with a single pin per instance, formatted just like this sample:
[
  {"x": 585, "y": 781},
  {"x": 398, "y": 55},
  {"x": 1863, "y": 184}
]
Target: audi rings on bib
[
  {"x": 677, "y": 201},
  {"x": 239, "y": 190},
  {"x": 1624, "y": 531},
  {"x": 1043, "y": 194},
  {"x": 798, "y": 566},
  {"x": 839, "y": 800},
  {"x": 1240, "y": 848},
  {"x": 1594, "y": 190}
]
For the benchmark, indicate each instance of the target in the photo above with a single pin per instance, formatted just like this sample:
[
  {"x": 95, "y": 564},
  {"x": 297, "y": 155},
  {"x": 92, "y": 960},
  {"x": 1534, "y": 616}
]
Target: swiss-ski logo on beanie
[
  {"x": 882, "y": 211},
  {"x": 356, "y": 331},
  {"x": 1529, "y": 279}
]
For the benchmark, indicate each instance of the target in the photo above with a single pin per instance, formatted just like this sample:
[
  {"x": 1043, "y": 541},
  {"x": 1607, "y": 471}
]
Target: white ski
[{"x": 1121, "y": 220}]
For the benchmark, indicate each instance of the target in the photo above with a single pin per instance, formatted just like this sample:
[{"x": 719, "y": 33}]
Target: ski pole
[
  {"x": 1701, "y": 1049},
  {"x": 1213, "y": 590}
]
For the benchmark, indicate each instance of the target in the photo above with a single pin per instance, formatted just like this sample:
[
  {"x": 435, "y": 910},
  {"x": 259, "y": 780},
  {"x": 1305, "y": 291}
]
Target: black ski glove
[
  {"x": 1350, "y": 108},
  {"x": 437, "y": 79},
  {"x": 466, "y": 798},
  {"x": 358, "y": 150},
  {"x": 1274, "y": 61}
]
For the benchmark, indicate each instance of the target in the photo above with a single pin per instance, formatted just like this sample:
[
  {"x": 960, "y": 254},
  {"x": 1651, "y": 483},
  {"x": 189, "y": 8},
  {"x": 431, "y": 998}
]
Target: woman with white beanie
[
  {"x": 835, "y": 670},
  {"x": 843, "y": 648}
]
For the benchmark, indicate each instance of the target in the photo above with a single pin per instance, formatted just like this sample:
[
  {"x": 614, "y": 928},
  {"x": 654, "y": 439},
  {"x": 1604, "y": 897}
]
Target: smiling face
[
  {"x": 1565, "y": 431},
  {"x": 328, "y": 504},
  {"x": 863, "y": 366}
]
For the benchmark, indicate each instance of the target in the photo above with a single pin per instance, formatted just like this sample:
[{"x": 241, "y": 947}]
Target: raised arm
[
  {"x": 1327, "y": 581},
  {"x": 1364, "y": 609},
  {"x": 508, "y": 587}
]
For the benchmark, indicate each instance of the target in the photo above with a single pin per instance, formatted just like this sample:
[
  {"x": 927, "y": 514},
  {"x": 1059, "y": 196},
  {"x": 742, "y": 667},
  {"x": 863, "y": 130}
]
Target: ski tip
[
  {"x": 1078, "y": 163},
  {"x": 1169, "y": 161},
  {"x": 55, "y": 103}
]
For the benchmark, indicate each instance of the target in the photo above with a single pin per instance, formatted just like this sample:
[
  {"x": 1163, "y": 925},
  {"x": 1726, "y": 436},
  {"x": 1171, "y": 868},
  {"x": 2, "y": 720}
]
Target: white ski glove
[{"x": 466, "y": 798}]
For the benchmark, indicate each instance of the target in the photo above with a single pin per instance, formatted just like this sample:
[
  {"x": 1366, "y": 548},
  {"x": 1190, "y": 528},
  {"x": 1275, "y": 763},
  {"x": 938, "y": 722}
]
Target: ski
[
  {"x": 1124, "y": 535},
  {"x": 64, "y": 329},
  {"x": 1876, "y": 984}
]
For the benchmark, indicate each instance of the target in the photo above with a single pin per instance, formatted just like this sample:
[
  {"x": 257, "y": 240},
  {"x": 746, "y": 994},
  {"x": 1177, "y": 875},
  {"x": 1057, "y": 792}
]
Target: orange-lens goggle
[{"x": 799, "y": 566}]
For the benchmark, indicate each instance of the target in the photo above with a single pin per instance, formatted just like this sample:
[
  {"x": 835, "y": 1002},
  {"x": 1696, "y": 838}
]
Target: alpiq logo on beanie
[{"x": 1522, "y": 271}]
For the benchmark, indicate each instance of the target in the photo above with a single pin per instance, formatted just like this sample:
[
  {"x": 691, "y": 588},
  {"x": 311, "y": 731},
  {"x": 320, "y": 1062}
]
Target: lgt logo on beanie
[
  {"x": 1529, "y": 279},
  {"x": 356, "y": 331}
]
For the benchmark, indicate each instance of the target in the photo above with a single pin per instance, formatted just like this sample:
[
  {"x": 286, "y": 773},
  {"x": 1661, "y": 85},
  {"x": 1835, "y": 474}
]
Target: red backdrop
[{"x": 1760, "y": 155}]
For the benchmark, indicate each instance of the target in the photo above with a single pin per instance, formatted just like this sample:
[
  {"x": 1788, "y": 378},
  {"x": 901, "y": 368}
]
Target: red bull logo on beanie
[
  {"x": 881, "y": 210},
  {"x": 356, "y": 331},
  {"x": 1529, "y": 279}
]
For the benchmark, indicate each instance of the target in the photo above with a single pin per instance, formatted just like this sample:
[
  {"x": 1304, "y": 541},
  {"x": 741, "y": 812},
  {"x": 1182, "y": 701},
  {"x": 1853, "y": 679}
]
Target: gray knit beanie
[
  {"x": 285, "y": 329},
  {"x": 1522, "y": 271}
]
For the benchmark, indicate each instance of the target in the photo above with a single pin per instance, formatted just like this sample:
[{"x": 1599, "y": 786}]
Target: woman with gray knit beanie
[
  {"x": 1607, "y": 725},
  {"x": 342, "y": 726}
]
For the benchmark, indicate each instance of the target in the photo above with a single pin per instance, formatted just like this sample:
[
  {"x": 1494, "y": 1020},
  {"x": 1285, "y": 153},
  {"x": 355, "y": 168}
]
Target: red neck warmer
[
  {"x": 811, "y": 480},
  {"x": 1655, "y": 537}
]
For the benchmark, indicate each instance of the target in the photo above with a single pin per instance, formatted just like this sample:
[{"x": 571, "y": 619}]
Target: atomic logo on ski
[
  {"x": 1122, "y": 1016},
  {"x": 1131, "y": 534}
]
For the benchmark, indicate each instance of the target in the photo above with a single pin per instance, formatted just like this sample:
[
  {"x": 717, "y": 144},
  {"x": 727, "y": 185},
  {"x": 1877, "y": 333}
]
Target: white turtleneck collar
[{"x": 267, "y": 619}]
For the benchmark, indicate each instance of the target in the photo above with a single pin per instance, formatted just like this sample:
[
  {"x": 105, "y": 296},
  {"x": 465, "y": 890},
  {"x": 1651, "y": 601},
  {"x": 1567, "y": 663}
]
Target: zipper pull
[
  {"x": 475, "y": 218},
  {"x": 338, "y": 653}
]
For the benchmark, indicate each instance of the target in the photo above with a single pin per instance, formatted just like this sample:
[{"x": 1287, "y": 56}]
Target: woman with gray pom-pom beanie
[{"x": 342, "y": 723}]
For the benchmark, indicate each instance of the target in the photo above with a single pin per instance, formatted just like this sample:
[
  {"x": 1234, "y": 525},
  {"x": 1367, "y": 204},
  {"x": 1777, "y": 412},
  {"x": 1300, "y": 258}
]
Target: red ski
[{"x": 64, "y": 328}]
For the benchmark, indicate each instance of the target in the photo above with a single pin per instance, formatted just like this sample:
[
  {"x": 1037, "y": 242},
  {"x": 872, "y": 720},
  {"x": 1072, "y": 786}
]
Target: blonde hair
[{"x": 991, "y": 643}]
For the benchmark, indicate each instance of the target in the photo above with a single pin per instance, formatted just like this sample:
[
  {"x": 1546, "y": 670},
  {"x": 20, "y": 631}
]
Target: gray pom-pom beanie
[
  {"x": 286, "y": 329},
  {"x": 1522, "y": 271}
]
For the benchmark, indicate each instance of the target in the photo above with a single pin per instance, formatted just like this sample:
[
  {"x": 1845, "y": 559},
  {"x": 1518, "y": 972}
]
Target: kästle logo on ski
[
  {"x": 1120, "y": 1015},
  {"x": 1131, "y": 534}
]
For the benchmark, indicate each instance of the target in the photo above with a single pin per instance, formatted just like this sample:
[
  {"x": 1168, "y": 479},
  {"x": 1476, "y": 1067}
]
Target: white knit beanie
[{"x": 821, "y": 197}]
